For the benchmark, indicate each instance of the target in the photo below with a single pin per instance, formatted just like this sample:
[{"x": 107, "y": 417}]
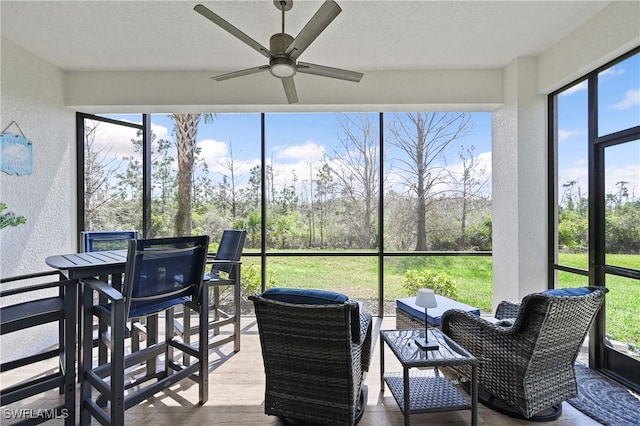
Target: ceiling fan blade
[
  {"x": 321, "y": 70},
  {"x": 241, "y": 73},
  {"x": 202, "y": 10},
  {"x": 290, "y": 90},
  {"x": 321, "y": 20}
]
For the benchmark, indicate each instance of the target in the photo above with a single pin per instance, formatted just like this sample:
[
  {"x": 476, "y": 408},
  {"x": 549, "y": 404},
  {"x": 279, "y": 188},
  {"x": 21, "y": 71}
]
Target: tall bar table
[{"x": 107, "y": 266}]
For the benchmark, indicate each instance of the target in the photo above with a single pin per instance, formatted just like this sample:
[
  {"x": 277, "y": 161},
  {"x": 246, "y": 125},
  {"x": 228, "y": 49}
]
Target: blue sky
[
  {"x": 618, "y": 109},
  {"x": 297, "y": 142}
]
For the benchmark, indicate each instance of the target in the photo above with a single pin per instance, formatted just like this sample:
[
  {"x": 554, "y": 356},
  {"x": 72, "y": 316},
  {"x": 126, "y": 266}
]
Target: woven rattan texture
[
  {"x": 530, "y": 365},
  {"x": 314, "y": 366},
  {"x": 405, "y": 321},
  {"x": 426, "y": 392}
]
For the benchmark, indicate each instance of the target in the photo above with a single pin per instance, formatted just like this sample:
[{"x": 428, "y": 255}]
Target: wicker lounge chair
[
  {"x": 527, "y": 369},
  {"x": 316, "y": 348}
]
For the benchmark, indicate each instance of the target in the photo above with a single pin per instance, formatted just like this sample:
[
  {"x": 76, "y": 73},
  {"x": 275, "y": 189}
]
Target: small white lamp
[{"x": 426, "y": 298}]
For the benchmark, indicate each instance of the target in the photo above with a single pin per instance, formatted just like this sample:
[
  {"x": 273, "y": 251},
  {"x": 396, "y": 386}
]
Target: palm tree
[{"x": 186, "y": 129}]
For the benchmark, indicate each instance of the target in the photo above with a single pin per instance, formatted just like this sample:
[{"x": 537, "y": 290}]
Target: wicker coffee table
[{"x": 421, "y": 391}]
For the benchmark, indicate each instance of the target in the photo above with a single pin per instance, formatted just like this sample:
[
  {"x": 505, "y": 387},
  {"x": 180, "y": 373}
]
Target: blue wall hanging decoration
[{"x": 16, "y": 156}]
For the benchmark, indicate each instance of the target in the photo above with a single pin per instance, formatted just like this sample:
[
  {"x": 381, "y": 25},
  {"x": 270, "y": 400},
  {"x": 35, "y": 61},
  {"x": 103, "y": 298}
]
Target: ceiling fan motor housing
[
  {"x": 279, "y": 42},
  {"x": 281, "y": 65}
]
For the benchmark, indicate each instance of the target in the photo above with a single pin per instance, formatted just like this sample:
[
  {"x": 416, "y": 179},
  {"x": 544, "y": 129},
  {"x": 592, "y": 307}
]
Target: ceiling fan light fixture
[{"x": 282, "y": 67}]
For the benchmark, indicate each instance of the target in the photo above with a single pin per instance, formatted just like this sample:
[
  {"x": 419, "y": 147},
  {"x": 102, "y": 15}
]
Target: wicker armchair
[
  {"x": 527, "y": 369},
  {"x": 316, "y": 348}
]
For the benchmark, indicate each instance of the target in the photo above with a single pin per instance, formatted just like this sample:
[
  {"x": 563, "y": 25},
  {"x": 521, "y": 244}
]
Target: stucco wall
[
  {"x": 32, "y": 96},
  {"x": 519, "y": 175}
]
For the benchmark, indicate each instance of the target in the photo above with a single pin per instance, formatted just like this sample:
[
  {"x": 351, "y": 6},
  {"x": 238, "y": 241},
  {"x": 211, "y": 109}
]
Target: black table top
[{"x": 80, "y": 265}]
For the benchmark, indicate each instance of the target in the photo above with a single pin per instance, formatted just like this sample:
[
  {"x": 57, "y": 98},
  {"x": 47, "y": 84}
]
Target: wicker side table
[{"x": 418, "y": 391}]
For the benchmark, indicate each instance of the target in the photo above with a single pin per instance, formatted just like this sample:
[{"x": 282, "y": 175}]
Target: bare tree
[
  {"x": 229, "y": 164},
  {"x": 471, "y": 184},
  {"x": 324, "y": 192},
  {"x": 98, "y": 173},
  {"x": 311, "y": 213},
  {"x": 355, "y": 167},
  {"x": 422, "y": 139}
]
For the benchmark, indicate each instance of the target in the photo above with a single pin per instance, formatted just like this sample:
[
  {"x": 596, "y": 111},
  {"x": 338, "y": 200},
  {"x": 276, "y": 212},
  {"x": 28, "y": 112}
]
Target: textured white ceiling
[{"x": 367, "y": 35}]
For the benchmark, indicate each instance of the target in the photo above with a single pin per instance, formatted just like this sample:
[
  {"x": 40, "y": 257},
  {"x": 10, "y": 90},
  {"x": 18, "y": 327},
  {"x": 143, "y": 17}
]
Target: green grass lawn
[
  {"x": 357, "y": 277},
  {"x": 622, "y": 300}
]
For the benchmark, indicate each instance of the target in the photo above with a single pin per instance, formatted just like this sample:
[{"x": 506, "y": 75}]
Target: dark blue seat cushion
[
  {"x": 304, "y": 296},
  {"x": 434, "y": 315},
  {"x": 577, "y": 291},
  {"x": 143, "y": 309},
  {"x": 315, "y": 297}
]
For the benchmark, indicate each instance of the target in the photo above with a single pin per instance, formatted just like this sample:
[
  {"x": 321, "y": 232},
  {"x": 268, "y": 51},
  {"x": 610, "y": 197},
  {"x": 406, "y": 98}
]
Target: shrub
[
  {"x": 441, "y": 282},
  {"x": 251, "y": 280}
]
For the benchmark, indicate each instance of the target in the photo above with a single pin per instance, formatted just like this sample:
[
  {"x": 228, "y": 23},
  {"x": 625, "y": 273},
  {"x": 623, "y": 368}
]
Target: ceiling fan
[{"x": 284, "y": 50}]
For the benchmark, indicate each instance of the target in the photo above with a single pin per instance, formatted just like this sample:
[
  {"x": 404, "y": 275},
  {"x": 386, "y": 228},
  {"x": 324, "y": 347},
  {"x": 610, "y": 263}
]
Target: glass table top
[{"x": 403, "y": 345}]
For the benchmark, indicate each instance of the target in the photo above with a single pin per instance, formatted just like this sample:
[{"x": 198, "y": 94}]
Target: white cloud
[
  {"x": 610, "y": 72},
  {"x": 212, "y": 151},
  {"x": 563, "y": 135},
  {"x": 578, "y": 173},
  {"x": 309, "y": 151},
  {"x": 116, "y": 140},
  {"x": 241, "y": 169},
  {"x": 629, "y": 173},
  {"x": 484, "y": 161},
  {"x": 302, "y": 171},
  {"x": 574, "y": 89},
  {"x": 482, "y": 172},
  {"x": 216, "y": 155},
  {"x": 161, "y": 132},
  {"x": 631, "y": 99}
]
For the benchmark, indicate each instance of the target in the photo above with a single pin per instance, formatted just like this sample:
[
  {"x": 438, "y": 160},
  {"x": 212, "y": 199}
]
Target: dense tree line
[
  {"x": 622, "y": 219},
  {"x": 334, "y": 206}
]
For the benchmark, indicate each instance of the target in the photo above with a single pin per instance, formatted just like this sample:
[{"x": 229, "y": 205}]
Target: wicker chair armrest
[
  {"x": 507, "y": 309},
  {"x": 357, "y": 321},
  {"x": 464, "y": 321},
  {"x": 364, "y": 345},
  {"x": 476, "y": 334}
]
